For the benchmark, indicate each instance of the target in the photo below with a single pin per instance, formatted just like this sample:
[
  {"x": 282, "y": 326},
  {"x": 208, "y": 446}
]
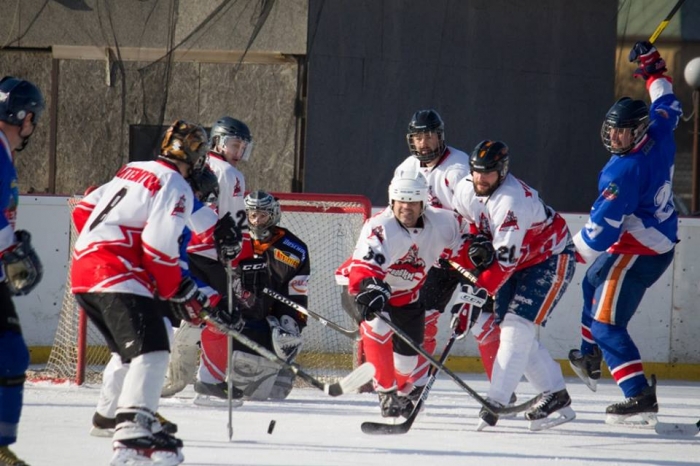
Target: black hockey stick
[
  {"x": 351, "y": 383},
  {"x": 677, "y": 429},
  {"x": 493, "y": 409},
  {"x": 353, "y": 334},
  {"x": 378, "y": 428}
]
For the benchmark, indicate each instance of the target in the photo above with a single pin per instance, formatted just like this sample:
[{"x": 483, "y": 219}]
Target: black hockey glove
[
  {"x": 227, "y": 238},
  {"x": 481, "y": 253},
  {"x": 373, "y": 296},
  {"x": 22, "y": 266},
  {"x": 254, "y": 275},
  {"x": 225, "y": 320},
  {"x": 189, "y": 303}
]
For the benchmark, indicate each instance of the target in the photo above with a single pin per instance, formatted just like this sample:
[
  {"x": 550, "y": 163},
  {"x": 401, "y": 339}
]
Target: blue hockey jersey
[{"x": 9, "y": 196}]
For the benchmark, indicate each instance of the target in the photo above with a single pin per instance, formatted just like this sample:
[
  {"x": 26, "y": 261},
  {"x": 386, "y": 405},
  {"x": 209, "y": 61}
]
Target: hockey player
[
  {"x": 21, "y": 105},
  {"x": 281, "y": 263},
  {"x": 125, "y": 258},
  {"x": 630, "y": 237},
  {"x": 525, "y": 262},
  {"x": 393, "y": 254},
  {"x": 230, "y": 142}
]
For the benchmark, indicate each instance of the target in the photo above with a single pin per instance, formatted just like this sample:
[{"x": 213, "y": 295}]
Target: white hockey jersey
[
  {"x": 523, "y": 229},
  {"x": 129, "y": 231},
  {"x": 400, "y": 256},
  {"x": 443, "y": 177}
]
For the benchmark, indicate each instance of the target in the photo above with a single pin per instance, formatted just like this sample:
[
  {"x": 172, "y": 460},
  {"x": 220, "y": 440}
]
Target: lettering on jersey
[
  {"x": 371, "y": 255},
  {"x": 299, "y": 286},
  {"x": 287, "y": 258},
  {"x": 648, "y": 146},
  {"x": 408, "y": 266},
  {"x": 179, "y": 209},
  {"x": 526, "y": 188},
  {"x": 237, "y": 191},
  {"x": 611, "y": 192},
  {"x": 510, "y": 222},
  {"x": 592, "y": 229},
  {"x": 137, "y": 175},
  {"x": 377, "y": 232},
  {"x": 518, "y": 298},
  {"x": 296, "y": 247}
]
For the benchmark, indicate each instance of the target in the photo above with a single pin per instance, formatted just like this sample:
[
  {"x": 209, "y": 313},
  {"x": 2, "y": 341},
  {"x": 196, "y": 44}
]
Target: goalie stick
[
  {"x": 353, "y": 334},
  {"x": 351, "y": 383},
  {"x": 379, "y": 428},
  {"x": 493, "y": 409},
  {"x": 673, "y": 429}
]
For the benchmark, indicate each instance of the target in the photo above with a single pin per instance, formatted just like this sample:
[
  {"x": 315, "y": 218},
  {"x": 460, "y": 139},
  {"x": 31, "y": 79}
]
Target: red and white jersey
[
  {"x": 400, "y": 256},
  {"x": 129, "y": 231},
  {"x": 443, "y": 177},
  {"x": 523, "y": 229}
]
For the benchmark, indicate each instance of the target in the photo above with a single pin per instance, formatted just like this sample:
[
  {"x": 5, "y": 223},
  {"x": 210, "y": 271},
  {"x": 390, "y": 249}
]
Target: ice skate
[
  {"x": 587, "y": 366},
  {"x": 636, "y": 411},
  {"x": 216, "y": 394},
  {"x": 487, "y": 419},
  {"x": 160, "y": 449},
  {"x": 511, "y": 402},
  {"x": 554, "y": 409},
  {"x": 8, "y": 458},
  {"x": 393, "y": 405},
  {"x": 104, "y": 426}
]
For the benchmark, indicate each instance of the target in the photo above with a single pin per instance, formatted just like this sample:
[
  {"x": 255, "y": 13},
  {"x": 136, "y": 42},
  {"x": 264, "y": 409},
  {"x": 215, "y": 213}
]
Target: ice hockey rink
[{"x": 314, "y": 429}]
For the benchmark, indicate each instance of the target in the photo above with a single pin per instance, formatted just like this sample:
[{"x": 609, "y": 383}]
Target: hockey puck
[{"x": 271, "y": 427}]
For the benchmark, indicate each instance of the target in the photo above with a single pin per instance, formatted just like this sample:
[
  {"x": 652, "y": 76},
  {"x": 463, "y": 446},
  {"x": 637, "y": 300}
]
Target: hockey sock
[{"x": 488, "y": 338}]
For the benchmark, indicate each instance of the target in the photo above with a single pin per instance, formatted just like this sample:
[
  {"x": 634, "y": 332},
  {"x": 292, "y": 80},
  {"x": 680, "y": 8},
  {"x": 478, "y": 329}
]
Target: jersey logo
[
  {"x": 408, "y": 266},
  {"x": 378, "y": 232},
  {"x": 611, "y": 192},
  {"x": 179, "y": 209},
  {"x": 526, "y": 188},
  {"x": 592, "y": 229},
  {"x": 433, "y": 199},
  {"x": 237, "y": 192},
  {"x": 287, "y": 258},
  {"x": 286, "y": 241},
  {"x": 510, "y": 223}
]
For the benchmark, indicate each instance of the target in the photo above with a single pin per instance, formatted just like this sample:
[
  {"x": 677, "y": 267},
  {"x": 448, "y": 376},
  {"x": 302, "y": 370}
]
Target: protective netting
[{"x": 328, "y": 224}]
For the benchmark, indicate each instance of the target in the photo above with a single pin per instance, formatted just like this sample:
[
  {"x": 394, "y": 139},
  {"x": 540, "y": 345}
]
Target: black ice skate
[
  {"x": 636, "y": 411},
  {"x": 8, "y": 458},
  {"x": 552, "y": 410},
  {"x": 216, "y": 394},
  {"x": 487, "y": 418},
  {"x": 393, "y": 405},
  {"x": 104, "y": 426},
  {"x": 587, "y": 366}
]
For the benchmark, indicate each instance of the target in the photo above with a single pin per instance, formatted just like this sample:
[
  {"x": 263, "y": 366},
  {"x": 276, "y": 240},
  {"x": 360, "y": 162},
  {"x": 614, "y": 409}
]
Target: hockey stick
[
  {"x": 677, "y": 430},
  {"x": 351, "y": 383},
  {"x": 493, "y": 409},
  {"x": 354, "y": 334},
  {"x": 229, "y": 375},
  {"x": 660, "y": 28},
  {"x": 378, "y": 428}
]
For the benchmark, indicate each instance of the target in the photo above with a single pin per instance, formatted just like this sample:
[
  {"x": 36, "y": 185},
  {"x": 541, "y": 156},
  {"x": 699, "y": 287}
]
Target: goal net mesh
[{"x": 328, "y": 224}]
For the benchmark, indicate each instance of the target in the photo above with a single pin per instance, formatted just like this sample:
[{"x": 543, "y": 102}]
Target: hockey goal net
[{"x": 328, "y": 223}]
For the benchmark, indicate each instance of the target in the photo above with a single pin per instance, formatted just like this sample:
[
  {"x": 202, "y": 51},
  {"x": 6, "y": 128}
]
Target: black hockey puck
[{"x": 271, "y": 427}]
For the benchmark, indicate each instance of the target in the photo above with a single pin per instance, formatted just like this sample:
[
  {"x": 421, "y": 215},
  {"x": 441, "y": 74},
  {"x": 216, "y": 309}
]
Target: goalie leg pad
[
  {"x": 253, "y": 375},
  {"x": 286, "y": 337},
  {"x": 184, "y": 359},
  {"x": 283, "y": 384}
]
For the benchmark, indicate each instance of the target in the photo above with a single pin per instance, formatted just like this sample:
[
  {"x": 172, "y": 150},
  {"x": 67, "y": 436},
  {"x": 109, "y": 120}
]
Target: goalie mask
[
  {"x": 232, "y": 139},
  {"x": 625, "y": 125},
  {"x": 263, "y": 212},
  {"x": 426, "y": 135}
]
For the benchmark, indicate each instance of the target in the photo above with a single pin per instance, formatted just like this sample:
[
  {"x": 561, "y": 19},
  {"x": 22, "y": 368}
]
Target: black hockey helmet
[
  {"x": 625, "y": 113},
  {"x": 489, "y": 156},
  {"x": 231, "y": 127},
  {"x": 425, "y": 121},
  {"x": 203, "y": 180},
  {"x": 18, "y": 98}
]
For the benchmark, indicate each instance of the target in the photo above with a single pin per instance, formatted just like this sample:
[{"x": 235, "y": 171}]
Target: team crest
[
  {"x": 237, "y": 191},
  {"x": 510, "y": 223},
  {"x": 179, "y": 209},
  {"x": 378, "y": 232},
  {"x": 408, "y": 266},
  {"x": 611, "y": 192}
]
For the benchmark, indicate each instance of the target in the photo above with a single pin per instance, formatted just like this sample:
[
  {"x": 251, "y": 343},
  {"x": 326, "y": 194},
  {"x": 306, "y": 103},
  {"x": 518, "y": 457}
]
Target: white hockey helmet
[{"x": 408, "y": 185}]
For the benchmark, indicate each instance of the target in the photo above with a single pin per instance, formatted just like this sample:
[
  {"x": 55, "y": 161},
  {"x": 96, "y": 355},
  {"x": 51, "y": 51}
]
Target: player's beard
[{"x": 484, "y": 189}]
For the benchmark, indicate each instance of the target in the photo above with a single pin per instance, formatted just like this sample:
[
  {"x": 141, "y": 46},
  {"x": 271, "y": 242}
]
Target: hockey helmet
[
  {"x": 409, "y": 186},
  {"x": 227, "y": 127},
  {"x": 425, "y": 121},
  {"x": 18, "y": 98},
  {"x": 184, "y": 142},
  {"x": 625, "y": 113},
  {"x": 265, "y": 202}
]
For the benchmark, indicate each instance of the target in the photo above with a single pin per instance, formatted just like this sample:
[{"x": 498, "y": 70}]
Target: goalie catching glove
[
  {"x": 373, "y": 296},
  {"x": 21, "y": 264},
  {"x": 286, "y": 337}
]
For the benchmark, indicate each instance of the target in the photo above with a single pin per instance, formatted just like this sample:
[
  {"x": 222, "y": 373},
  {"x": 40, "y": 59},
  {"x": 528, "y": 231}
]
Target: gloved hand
[
  {"x": 189, "y": 303},
  {"x": 481, "y": 252},
  {"x": 23, "y": 269},
  {"x": 472, "y": 294},
  {"x": 373, "y": 296},
  {"x": 648, "y": 58},
  {"x": 225, "y": 320},
  {"x": 463, "y": 318},
  {"x": 227, "y": 238}
]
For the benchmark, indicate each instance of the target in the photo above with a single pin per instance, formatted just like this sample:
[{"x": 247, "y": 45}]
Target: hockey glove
[
  {"x": 224, "y": 320},
  {"x": 254, "y": 276},
  {"x": 286, "y": 337},
  {"x": 464, "y": 317},
  {"x": 227, "y": 238},
  {"x": 21, "y": 264},
  {"x": 481, "y": 253},
  {"x": 647, "y": 57},
  {"x": 373, "y": 296},
  {"x": 472, "y": 294},
  {"x": 189, "y": 303}
]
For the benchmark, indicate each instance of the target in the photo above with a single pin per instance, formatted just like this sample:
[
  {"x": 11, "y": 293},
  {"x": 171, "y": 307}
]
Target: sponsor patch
[
  {"x": 611, "y": 192},
  {"x": 287, "y": 258},
  {"x": 299, "y": 285}
]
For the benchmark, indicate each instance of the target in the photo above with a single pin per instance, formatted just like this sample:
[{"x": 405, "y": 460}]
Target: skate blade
[
  {"x": 639, "y": 420},
  {"x": 482, "y": 425},
  {"x": 590, "y": 383},
  {"x": 97, "y": 432},
  {"x": 556, "y": 418},
  {"x": 213, "y": 401}
]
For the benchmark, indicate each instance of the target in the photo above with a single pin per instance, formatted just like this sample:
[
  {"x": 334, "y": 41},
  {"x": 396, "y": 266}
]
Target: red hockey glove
[{"x": 649, "y": 61}]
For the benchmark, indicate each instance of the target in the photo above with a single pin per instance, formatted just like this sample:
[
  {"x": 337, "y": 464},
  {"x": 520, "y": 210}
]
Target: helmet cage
[
  {"x": 428, "y": 156},
  {"x": 426, "y": 121},
  {"x": 265, "y": 202}
]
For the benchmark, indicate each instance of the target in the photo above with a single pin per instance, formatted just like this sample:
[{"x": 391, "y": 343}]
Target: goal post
[{"x": 329, "y": 224}]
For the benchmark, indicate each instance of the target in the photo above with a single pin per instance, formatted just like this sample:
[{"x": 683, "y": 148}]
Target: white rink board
[{"x": 665, "y": 327}]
